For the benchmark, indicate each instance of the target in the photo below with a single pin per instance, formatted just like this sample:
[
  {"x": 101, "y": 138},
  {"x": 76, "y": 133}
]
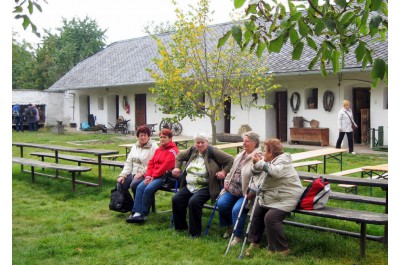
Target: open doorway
[
  {"x": 280, "y": 105},
  {"x": 361, "y": 106}
]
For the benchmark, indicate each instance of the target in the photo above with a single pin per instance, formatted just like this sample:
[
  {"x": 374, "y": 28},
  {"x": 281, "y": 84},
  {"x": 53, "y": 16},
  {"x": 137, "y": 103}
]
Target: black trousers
[
  {"x": 349, "y": 140},
  {"x": 272, "y": 221},
  {"x": 184, "y": 199},
  {"x": 130, "y": 182}
]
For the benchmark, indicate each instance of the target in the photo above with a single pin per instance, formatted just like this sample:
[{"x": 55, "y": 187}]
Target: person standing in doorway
[{"x": 345, "y": 121}]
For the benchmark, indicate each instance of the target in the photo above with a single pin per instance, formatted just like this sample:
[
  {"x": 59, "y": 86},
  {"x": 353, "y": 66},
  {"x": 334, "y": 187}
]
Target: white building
[{"x": 102, "y": 84}]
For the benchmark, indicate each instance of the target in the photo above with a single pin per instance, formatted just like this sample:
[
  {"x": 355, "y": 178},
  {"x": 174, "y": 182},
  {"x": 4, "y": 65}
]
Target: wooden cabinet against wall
[{"x": 315, "y": 135}]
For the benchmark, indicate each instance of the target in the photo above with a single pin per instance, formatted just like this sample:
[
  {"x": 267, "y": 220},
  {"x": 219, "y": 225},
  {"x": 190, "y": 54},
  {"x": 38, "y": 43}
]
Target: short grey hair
[
  {"x": 200, "y": 136},
  {"x": 253, "y": 136}
]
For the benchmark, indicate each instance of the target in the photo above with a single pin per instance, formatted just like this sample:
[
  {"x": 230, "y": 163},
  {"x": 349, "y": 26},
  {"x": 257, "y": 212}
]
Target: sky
[{"x": 123, "y": 19}]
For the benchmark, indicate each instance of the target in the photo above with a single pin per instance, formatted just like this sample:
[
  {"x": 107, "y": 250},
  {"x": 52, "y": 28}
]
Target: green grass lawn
[{"x": 53, "y": 225}]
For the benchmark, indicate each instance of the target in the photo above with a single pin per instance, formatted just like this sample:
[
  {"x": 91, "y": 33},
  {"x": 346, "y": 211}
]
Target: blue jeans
[
  {"x": 228, "y": 208},
  {"x": 32, "y": 126},
  {"x": 144, "y": 196}
]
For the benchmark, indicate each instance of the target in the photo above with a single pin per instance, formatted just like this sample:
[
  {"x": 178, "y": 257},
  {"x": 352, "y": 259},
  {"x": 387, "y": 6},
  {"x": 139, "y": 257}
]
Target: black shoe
[{"x": 137, "y": 219}]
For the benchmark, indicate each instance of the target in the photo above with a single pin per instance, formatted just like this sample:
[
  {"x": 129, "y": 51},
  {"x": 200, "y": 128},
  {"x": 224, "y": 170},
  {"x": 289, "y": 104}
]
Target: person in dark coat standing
[{"x": 30, "y": 114}]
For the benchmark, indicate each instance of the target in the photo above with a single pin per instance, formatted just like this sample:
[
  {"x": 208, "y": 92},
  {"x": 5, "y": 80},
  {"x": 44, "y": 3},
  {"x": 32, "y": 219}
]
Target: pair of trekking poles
[{"x": 256, "y": 190}]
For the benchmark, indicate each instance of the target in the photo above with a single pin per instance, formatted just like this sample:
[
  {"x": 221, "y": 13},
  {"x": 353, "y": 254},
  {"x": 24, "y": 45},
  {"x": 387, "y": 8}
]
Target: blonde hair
[{"x": 346, "y": 102}]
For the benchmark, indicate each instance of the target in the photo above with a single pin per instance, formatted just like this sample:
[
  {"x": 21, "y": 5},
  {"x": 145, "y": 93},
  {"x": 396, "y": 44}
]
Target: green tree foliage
[
  {"x": 22, "y": 65},
  {"x": 23, "y": 9},
  {"x": 194, "y": 77},
  {"x": 58, "y": 53},
  {"x": 152, "y": 28},
  {"x": 339, "y": 24}
]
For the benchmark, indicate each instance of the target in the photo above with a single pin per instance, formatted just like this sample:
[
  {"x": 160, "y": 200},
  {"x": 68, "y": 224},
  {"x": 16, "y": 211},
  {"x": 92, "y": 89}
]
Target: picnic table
[
  {"x": 238, "y": 146},
  {"x": 327, "y": 153},
  {"x": 379, "y": 170},
  {"x": 57, "y": 149}
]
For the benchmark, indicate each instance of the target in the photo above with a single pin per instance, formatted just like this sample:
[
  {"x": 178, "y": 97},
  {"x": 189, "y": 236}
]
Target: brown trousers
[{"x": 272, "y": 220}]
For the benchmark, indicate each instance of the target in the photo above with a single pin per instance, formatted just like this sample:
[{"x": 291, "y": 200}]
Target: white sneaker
[{"x": 353, "y": 153}]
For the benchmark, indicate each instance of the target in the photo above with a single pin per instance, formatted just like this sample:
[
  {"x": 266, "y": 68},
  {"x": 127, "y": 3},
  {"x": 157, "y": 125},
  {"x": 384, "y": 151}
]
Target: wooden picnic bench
[
  {"x": 80, "y": 159},
  {"x": 57, "y": 149},
  {"x": 238, "y": 146},
  {"x": 70, "y": 168},
  {"x": 311, "y": 164},
  {"x": 361, "y": 217},
  {"x": 327, "y": 153}
]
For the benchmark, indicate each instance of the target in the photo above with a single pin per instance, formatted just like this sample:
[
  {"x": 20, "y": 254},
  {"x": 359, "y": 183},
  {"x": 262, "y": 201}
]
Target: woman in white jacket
[
  {"x": 136, "y": 164},
  {"x": 345, "y": 121}
]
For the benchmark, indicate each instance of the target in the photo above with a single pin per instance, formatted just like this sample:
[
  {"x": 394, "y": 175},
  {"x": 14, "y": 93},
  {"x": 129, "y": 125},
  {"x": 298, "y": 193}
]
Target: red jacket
[{"x": 162, "y": 160}]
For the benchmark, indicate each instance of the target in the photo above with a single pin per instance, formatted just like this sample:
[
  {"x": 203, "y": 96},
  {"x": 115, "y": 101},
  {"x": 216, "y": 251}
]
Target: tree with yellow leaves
[{"x": 194, "y": 77}]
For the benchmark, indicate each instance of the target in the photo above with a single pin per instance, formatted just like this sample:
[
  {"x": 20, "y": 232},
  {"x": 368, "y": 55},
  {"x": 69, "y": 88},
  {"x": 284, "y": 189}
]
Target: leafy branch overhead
[
  {"x": 332, "y": 29},
  {"x": 24, "y": 9},
  {"x": 195, "y": 79}
]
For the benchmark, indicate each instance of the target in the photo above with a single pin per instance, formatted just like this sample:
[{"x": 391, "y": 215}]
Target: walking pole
[
  {"x": 248, "y": 227},
  {"x": 175, "y": 191},
  {"x": 236, "y": 224},
  {"x": 256, "y": 190},
  {"x": 210, "y": 220}
]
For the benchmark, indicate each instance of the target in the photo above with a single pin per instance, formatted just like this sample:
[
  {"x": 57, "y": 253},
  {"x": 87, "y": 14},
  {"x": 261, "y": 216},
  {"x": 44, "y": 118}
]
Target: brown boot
[{"x": 252, "y": 245}]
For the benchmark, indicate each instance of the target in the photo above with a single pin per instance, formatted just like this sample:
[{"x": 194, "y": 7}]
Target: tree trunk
[{"x": 214, "y": 131}]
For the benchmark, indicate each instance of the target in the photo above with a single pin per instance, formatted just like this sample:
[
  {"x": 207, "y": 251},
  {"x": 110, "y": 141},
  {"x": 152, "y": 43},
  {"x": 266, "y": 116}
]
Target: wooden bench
[
  {"x": 80, "y": 159},
  {"x": 238, "y": 146},
  {"x": 349, "y": 187},
  {"x": 313, "y": 164},
  {"x": 114, "y": 157},
  {"x": 361, "y": 217},
  {"x": 70, "y": 168}
]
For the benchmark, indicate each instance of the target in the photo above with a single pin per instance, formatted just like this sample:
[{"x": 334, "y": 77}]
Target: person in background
[
  {"x": 17, "y": 117},
  {"x": 206, "y": 168},
  {"x": 37, "y": 116},
  {"x": 279, "y": 192},
  {"x": 30, "y": 114},
  {"x": 162, "y": 161},
  {"x": 235, "y": 187},
  {"x": 344, "y": 121},
  {"x": 136, "y": 164}
]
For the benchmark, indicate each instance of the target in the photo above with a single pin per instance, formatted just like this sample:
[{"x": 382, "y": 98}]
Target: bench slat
[
  {"x": 81, "y": 159},
  {"x": 33, "y": 162},
  {"x": 348, "y": 215}
]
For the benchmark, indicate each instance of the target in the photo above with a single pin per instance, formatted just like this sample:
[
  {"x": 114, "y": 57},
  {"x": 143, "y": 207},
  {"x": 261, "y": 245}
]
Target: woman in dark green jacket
[{"x": 206, "y": 168}]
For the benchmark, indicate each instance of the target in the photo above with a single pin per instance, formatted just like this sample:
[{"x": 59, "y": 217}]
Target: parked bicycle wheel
[{"x": 176, "y": 128}]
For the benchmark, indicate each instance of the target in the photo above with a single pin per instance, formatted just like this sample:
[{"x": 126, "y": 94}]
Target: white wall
[
  {"x": 260, "y": 121},
  {"x": 54, "y": 103}
]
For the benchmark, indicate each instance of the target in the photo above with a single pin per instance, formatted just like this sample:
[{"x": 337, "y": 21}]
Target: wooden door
[
  {"x": 361, "y": 100},
  {"x": 140, "y": 109},
  {"x": 281, "y": 99}
]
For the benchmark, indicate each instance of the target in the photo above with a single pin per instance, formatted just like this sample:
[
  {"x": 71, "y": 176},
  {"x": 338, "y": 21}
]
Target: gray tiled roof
[{"x": 124, "y": 63}]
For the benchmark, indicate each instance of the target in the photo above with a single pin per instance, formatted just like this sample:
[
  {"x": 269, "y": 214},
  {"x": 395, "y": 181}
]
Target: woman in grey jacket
[
  {"x": 136, "y": 164},
  {"x": 206, "y": 168},
  {"x": 345, "y": 120},
  {"x": 279, "y": 192}
]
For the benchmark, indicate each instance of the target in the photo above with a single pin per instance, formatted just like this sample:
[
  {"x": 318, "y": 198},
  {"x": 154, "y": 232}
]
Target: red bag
[{"x": 316, "y": 195}]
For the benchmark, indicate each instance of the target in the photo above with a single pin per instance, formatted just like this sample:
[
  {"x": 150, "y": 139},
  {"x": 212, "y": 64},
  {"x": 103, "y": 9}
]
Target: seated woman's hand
[
  {"x": 147, "y": 180},
  {"x": 121, "y": 180},
  {"x": 175, "y": 172},
  {"x": 220, "y": 174},
  {"x": 138, "y": 176},
  {"x": 226, "y": 185},
  {"x": 256, "y": 158}
]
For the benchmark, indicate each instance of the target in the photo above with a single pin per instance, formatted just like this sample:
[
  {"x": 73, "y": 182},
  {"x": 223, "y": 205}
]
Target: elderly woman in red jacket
[{"x": 162, "y": 161}]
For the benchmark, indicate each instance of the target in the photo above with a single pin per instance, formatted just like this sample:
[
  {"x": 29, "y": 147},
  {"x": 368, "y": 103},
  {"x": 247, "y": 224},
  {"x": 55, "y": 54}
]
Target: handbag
[
  {"x": 120, "y": 200},
  {"x": 353, "y": 124},
  {"x": 169, "y": 181}
]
